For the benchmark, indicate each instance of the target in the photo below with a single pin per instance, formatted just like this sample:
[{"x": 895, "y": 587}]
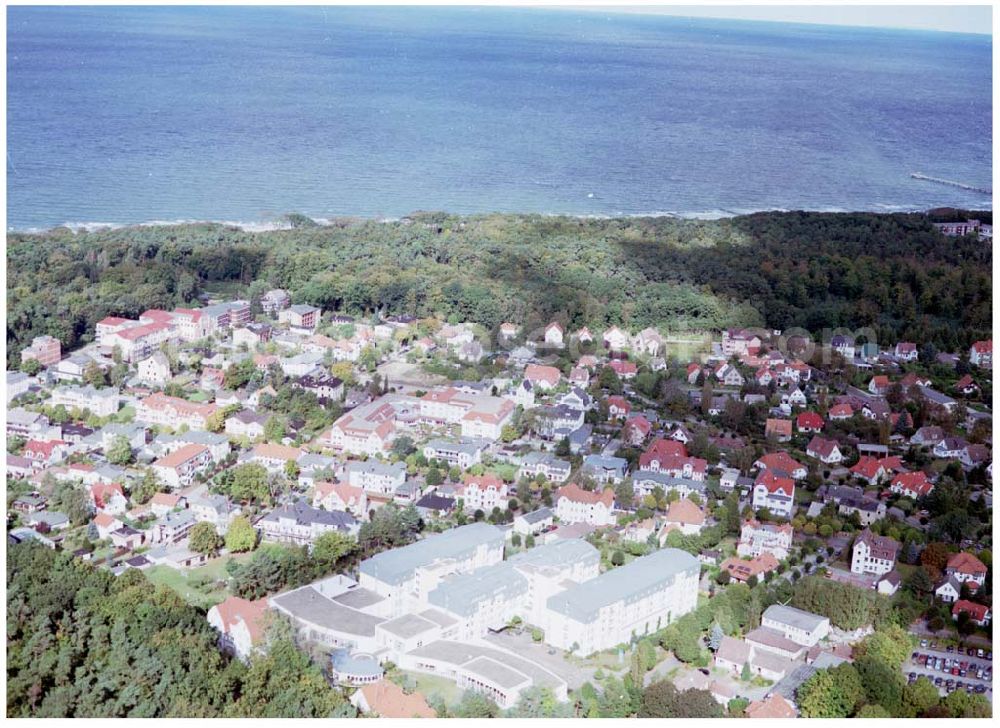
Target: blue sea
[{"x": 126, "y": 114}]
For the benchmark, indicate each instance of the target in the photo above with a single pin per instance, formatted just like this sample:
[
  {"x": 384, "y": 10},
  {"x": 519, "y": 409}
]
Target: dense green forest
[
  {"x": 894, "y": 273},
  {"x": 83, "y": 643}
]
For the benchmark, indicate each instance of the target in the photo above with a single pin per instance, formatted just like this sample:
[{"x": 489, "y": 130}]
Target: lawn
[
  {"x": 197, "y": 586},
  {"x": 429, "y": 685}
]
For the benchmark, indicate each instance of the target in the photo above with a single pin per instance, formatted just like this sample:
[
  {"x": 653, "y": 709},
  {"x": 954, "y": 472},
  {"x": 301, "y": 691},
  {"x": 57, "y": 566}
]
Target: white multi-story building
[
  {"x": 179, "y": 468},
  {"x": 159, "y": 409},
  {"x": 483, "y": 492},
  {"x": 376, "y": 477},
  {"x": 479, "y": 415},
  {"x": 301, "y": 524},
  {"x": 100, "y": 402},
  {"x": 576, "y": 505},
  {"x": 463, "y": 452},
  {"x": 241, "y": 625},
  {"x": 405, "y": 576},
  {"x": 801, "y": 627},
  {"x": 873, "y": 554},
  {"x": 757, "y": 538},
  {"x": 774, "y": 493},
  {"x": 154, "y": 369},
  {"x": 626, "y": 602},
  {"x": 370, "y": 428}
]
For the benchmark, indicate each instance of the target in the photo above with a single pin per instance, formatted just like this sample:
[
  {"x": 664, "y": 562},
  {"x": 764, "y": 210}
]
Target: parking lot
[{"x": 945, "y": 669}]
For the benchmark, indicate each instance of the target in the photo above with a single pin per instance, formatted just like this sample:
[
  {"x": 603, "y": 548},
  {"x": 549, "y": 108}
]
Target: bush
[{"x": 537, "y": 635}]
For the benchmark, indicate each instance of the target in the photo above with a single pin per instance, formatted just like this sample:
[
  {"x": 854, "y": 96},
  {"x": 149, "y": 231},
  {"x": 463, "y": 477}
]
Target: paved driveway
[{"x": 523, "y": 645}]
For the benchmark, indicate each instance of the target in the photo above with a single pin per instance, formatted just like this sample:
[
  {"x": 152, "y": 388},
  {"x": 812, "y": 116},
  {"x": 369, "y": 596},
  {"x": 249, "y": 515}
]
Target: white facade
[{"x": 629, "y": 601}]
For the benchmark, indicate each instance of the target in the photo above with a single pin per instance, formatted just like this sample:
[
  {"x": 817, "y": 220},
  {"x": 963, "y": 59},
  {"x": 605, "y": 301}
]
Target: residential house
[
  {"x": 179, "y": 468},
  {"x": 978, "y": 613},
  {"x": 827, "y": 451},
  {"x": 906, "y": 351},
  {"x": 301, "y": 317},
  {"x": 46, "y": 350},
  {"x": 782, "y": 464},
  {"x": 809, "y": 422},
  {"x": 911, "y": 485},
  {"x": 873, "y": 554},
  {"x": 154, "y": 370},
  {"x": 743, "y": 569},
  {"x": 533, "y": 523},
  {"x": 214, "y": 509},
  {"x": 775, "y": 493},
  {"x": 341, "y": 497},
  {"x": 554, "y": 335},
  {"x": 542, "y": 377},
  {"x": 684, "y": 516},
  {"x": 605, "y": 469},
  {"x": 778, "y": 430},
  {"x": 966, "y": 568},
  {"x": 757, "y": 538},
  {"x": 301, "y": 524},
  {"x": 575, "y": 505},
  {"x": 981, "y": 354}
]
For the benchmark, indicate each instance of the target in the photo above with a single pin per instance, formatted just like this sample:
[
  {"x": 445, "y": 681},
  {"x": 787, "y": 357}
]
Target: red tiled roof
[
  {"x": 577, "y": 494},
  {"x": 966, "y": 563},
  {"x": 809, "y": 420},
  {"x": 978, "y": 612}
]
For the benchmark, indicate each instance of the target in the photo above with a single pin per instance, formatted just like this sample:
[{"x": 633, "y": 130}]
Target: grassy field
[
  {"x": 199, "y": 587},
  {"x": 429, "y": 685}
]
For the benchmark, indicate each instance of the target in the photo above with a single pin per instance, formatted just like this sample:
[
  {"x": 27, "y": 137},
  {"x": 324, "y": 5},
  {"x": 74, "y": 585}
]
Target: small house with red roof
[
  {"x": 981, "y": 354},
  {"x": 840, "y": 411},
  {"x": 978, "y": 613},
  {"x": 906, "y": 351},
  {"x": 636, "y": 430},
  {"x": 868, "y": 469},
  {"x": 618, "y": 407},
  {"x": 782, "y": 464},
  {"x": 337, "y": 496},
  {"x": 241, "y": 624},
  {"x": 911, "y": 485},
  {"x": 778, "y": 429},
  {"x": 879, "y": 384},
  {"x": 775, "y": 493},
  {"x": 809, "y": 422},
  {"x": 624, "y": 369},
  {"x": 967, "y": 569},
  {"x": 542, "y": 377},
  {"x": 966, "y": 386},
  {"x": 109, "y": 497},
  {"x": 826, "y": 451}
]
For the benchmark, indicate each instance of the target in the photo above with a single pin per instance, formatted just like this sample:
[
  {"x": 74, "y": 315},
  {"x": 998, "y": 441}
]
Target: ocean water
[{"x": 125, "y": 115}]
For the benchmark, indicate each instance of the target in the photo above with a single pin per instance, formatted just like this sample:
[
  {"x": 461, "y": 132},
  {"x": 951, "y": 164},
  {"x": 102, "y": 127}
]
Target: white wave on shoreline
[{"x": 282, "y": 224}]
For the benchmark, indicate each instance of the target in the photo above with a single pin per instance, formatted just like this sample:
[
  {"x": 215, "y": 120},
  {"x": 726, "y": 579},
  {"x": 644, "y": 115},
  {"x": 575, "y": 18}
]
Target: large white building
[
  {"x": 801, "y": 627},
  {"x": 479, "y": 415},
  {"x": 873, "y": 554},
  {"x": 100, "y": 402},
  {"x": 629, "y": 601},
  {"x": 375, "y": 477},
  {"x": 406, "y": 575}
]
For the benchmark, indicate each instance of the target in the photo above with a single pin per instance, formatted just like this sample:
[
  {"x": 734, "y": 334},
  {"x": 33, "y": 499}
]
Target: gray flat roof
[
  {"x": 798, "y": 618},
  {"x": 408, "y": 625},
  {"x": 438, "y": 617},
  {"x": 496, "y": 672},
  {"x": 358, "y": 598},
  {"x": 625, "y": 583},
  {"x": 394, "y": 567},
  {"x": 462, "y": 593},
  {"x": 459, "y": 653},
  {"x": 308, "y": 605}
]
